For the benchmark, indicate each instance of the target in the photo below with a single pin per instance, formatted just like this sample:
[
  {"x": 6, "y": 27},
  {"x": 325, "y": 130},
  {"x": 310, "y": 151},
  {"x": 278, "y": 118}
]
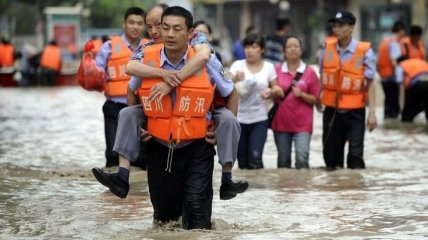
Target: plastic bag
[{"x": 88, "y": 75}]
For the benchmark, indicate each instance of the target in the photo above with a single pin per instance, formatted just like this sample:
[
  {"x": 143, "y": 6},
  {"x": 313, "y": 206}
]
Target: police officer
[
  {"x": 347, "y": 69},
  {"x": 181, "y": 161}
]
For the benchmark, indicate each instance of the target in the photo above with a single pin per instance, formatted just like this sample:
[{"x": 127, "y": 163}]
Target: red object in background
[
  {"x": 66, "y": 80},
  {"x": 6, "y": 80},
  {"x": 88, "y": 75},
  {"x": 65, "y": 35},
  {"x": 89, "y": 45}
]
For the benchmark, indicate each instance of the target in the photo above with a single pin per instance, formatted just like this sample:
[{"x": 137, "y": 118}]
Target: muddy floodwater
[{"x": 50, "y": 138}]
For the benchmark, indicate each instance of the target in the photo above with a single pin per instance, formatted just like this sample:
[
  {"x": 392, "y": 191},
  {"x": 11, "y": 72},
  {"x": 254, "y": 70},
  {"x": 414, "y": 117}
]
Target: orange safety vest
[
  {"x": 51, "y": 58},
  {"x": 344, "y": 82},
  {"x": 186, "y": 120},
  {"x": 330, "y": 38},
  {"x": 117, "y": 85},
  {"x": 218, "y": 101},
  {"x": 1, "y": 50},
  {"x": 412, "y": 51},
  {"x": 413, "y": 67},
  {"x": 6, "y": 55},
  {"x": 144, "y": 41},
  {"x": 384, "y": 64}
]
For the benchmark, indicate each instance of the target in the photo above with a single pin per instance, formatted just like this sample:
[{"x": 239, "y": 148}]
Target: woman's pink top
[{"x": 294, "y": 114}]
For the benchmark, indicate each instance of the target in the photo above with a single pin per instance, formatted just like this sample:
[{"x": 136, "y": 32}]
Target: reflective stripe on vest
[
  {"x": 384, "y": 64},
  {"x": 117, "y": 85},
  {"x": 413, "y": 67},
  {"x": 344, "y": 82},
  {"x": 51, "y": 58},
  {"x": 186, "y": 120}
]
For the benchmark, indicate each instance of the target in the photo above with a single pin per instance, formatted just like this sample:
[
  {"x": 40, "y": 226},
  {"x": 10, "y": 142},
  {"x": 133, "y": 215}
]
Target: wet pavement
[{"x": 50, "y": 138}]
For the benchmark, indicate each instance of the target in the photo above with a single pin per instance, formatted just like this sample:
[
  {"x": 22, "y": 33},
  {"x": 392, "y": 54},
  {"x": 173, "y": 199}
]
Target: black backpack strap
[{"x": 293, "y": 83}]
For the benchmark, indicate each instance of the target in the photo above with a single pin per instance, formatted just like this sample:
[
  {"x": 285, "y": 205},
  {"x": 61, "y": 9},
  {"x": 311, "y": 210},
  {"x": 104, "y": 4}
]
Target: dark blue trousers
[
  {"x": 339, "y": 128},
  {"x": 111, "y": 112},
  {"x": 187, "y": 190},
  {"x": 391, "y": 90}
]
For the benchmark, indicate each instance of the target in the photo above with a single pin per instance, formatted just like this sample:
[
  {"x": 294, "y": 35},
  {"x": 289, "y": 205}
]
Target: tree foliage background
[{"x": 104, "y": 13}]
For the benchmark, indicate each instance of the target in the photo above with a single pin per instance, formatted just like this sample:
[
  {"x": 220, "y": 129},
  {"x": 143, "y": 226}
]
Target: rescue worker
[
  {"x": 133, "y": 117},
  {"x": 181, "y": 161},
  {"x": 347, "y": 68},
  {"x": 389, "y": 52},
  {"x": 50, "y": 63},
  {"x": 7, "y": 53},
  {"x": 412, "y": 45},
  {"x": 112, "y": 58},
  {"x": 412, "y": 74}
]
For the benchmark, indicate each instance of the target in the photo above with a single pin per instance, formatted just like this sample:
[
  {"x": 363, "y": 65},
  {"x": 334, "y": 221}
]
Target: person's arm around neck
[
  {"x": 199, "y": 60},
  {"x": 138, "y": 69},
  {"x": 203, "y": 52}
]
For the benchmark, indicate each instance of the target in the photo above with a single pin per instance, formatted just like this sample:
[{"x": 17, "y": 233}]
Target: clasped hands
[{"x": 171, "y": 79}]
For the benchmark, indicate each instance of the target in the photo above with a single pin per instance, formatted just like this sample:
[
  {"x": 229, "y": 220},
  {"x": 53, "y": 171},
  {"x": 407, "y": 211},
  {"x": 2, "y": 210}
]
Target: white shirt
[{"x": 251, "y": 103}]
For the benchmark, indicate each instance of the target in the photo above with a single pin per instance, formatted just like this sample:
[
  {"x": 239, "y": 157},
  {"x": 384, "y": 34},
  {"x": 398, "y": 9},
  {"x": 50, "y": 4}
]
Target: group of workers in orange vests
[{"x": 404, "y": 72}]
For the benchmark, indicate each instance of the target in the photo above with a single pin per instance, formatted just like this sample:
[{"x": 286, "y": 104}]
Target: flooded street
[{"x": 50, "y": 138}]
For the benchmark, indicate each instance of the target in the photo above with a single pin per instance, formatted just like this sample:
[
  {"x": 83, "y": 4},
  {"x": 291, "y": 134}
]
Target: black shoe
[
  {"x": 230, "y": 190},
  {"x": 111, "y": 180}
]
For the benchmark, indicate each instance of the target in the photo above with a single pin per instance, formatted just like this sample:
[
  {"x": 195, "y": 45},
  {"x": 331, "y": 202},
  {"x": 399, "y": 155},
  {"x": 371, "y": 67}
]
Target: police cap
[{"x": 343, "y": 17}]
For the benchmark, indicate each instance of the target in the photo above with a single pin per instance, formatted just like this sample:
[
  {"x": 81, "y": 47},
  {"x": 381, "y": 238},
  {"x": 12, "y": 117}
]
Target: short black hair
[
  {"x": 162, "y": 6},
  {"x": 5, "y": 40},
  {"x": 202, "y": 22},
  {"x": 398, "y": 26},
  {"x": 105, "y": 38},
  {"x": 282, "y": 22},
  {"x": 133, "y": 11},
  {"x": 288, "y": 37},
  {"x": 415, "y": 30},
  {"x": 256, "y": 38},
  {"x": 179, "y": 12}
]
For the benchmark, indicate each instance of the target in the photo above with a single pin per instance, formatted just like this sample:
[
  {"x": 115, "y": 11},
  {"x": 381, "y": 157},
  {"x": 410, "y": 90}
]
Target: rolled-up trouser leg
[
  {"x": 227, "y": 133},
  {"x": 127, "y": 142}
]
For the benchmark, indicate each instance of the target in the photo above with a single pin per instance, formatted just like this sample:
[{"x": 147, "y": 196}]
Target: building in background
[
  {"x": 230, "y": 18},
  {"x": 63, "y": 24}
]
